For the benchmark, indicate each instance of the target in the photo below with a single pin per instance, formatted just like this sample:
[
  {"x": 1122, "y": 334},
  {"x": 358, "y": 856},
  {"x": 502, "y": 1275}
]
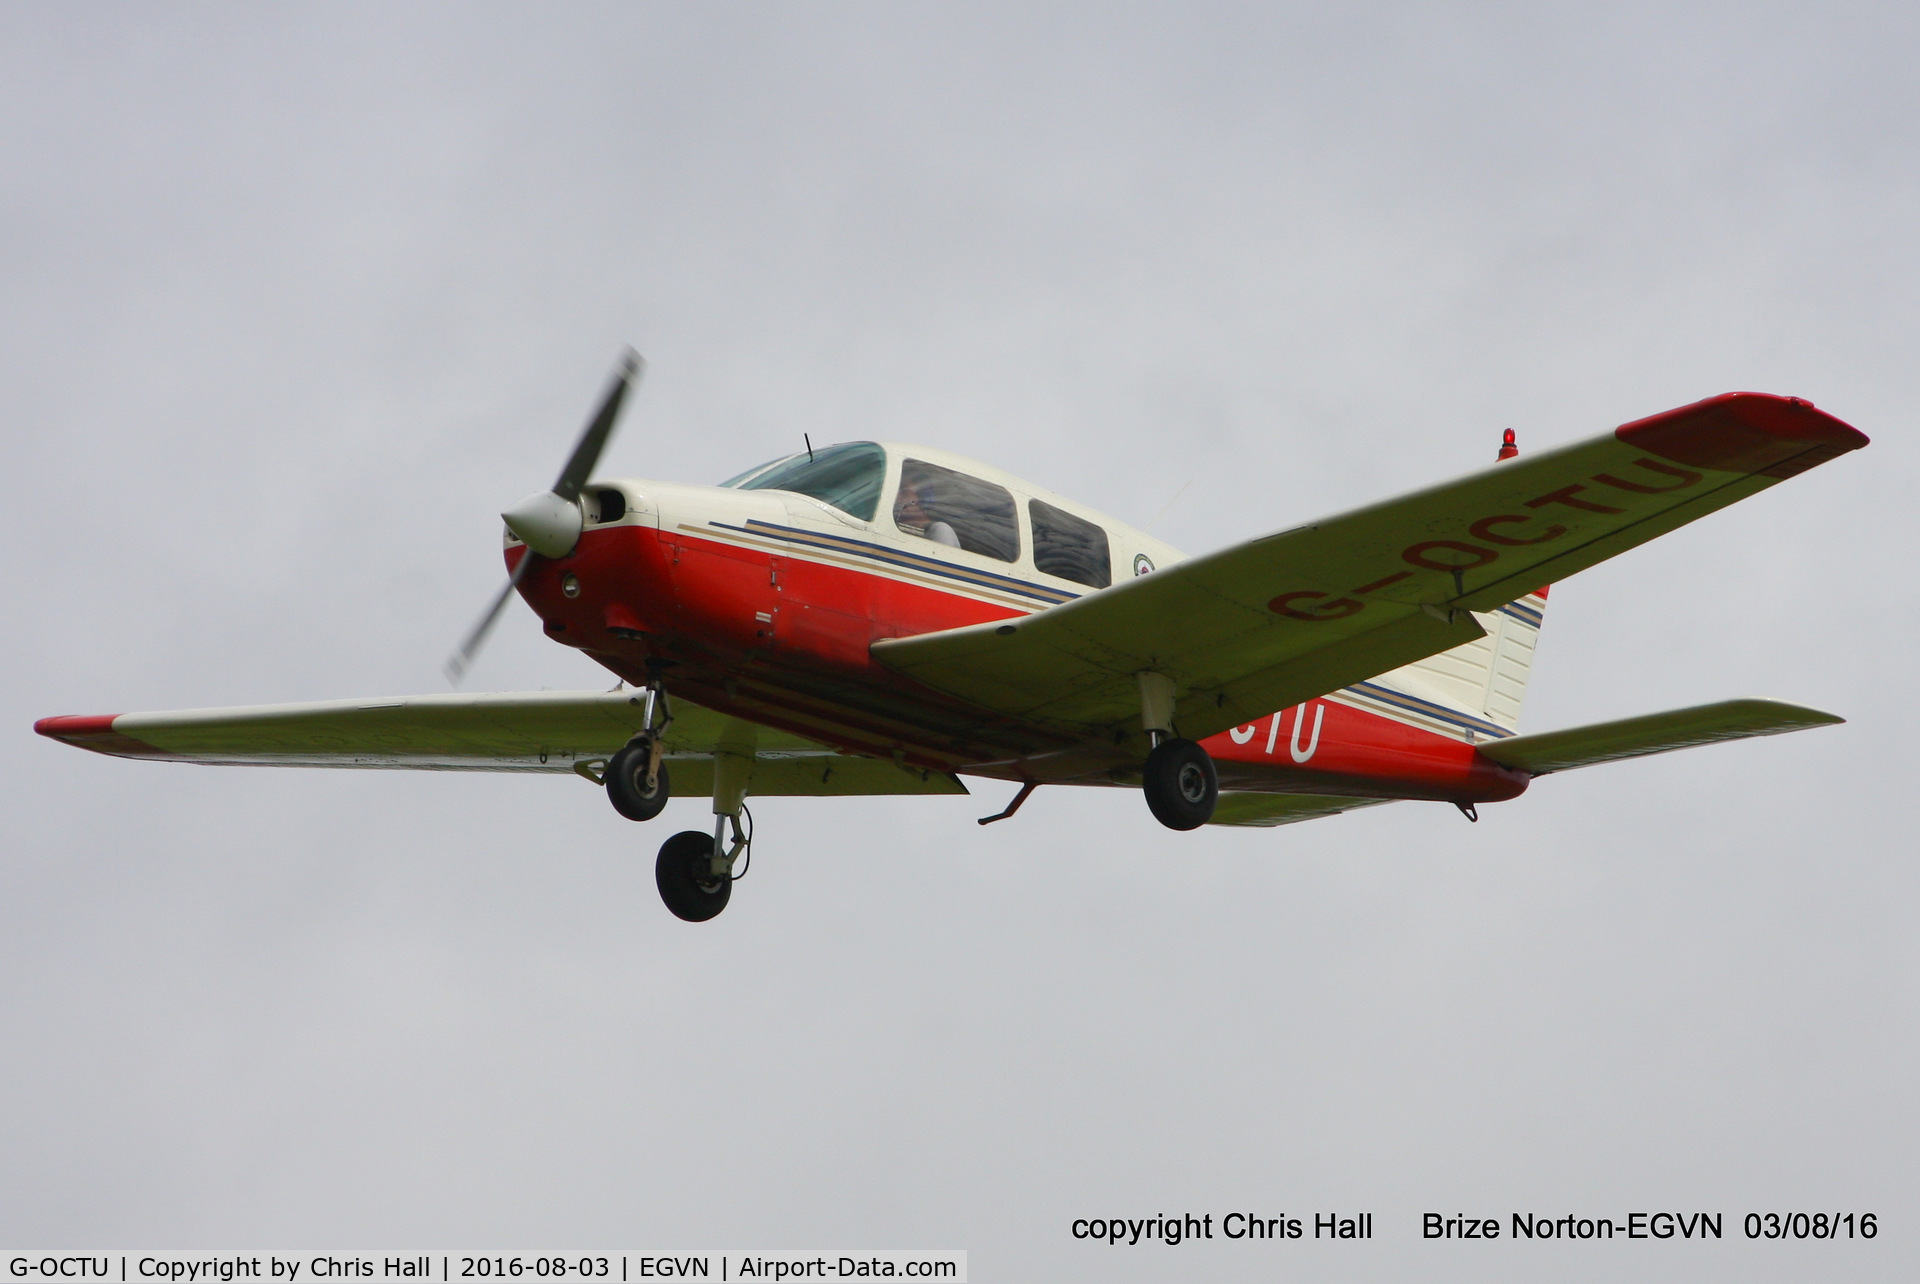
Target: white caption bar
[{"x": 722, "y": 1265}]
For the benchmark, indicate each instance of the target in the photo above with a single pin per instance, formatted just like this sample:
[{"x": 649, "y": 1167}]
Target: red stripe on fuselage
[
  {"x": 697, "y": 604},
  {"x": 807, "y": 667},
  {"x": 1327, "y": 748}
]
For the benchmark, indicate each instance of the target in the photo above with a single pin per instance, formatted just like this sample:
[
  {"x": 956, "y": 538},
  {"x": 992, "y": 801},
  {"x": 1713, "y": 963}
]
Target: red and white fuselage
[{"x": 764, "y": 604}]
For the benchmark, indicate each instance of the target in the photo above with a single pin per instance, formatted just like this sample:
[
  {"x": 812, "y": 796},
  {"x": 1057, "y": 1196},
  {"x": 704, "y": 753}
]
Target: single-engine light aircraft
[{"x": 878, "y": 618}]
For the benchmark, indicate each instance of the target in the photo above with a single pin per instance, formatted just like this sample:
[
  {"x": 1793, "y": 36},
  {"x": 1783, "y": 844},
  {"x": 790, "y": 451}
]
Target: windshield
[
  {"x": 733, "y": 482},
  {"x": 849, "y": 477}
]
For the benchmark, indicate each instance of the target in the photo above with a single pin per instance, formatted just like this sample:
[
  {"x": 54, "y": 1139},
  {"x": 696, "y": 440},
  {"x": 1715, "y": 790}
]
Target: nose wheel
[
  {"x": 637, "y": 783},
  {"x": 636, "y": 778},
  {"x": 1180, "y": 783}
]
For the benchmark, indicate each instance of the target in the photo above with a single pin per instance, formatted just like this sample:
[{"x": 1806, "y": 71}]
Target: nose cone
[{"x": 545, "y": 523}]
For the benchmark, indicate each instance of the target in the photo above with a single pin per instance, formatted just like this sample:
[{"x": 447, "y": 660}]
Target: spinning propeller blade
[
  {"x": 587, "y": 453},
  {"x": 549, "y": 522}
]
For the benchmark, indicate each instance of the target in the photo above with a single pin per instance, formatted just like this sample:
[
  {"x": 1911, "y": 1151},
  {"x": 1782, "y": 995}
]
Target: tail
[{"x": 1487, "y": 677}]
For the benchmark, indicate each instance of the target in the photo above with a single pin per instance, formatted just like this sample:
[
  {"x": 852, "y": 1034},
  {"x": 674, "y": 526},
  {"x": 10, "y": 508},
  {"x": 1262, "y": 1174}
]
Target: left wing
[
  {"x": 1294, "y": 615},
  {"x": 533, "y": 731}
]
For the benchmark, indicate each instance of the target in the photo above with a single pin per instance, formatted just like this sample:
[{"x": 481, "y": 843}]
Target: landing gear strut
[
  {"x": 694, "y": 871},
  {"x": 1179, "y": 780},
  {"x": 636, "y": 778}
]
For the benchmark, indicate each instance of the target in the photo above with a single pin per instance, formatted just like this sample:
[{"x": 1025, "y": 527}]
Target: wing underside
[{"x": 547, "y": 731}]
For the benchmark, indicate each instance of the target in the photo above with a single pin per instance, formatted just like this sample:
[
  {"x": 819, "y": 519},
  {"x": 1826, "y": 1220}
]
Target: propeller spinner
[{"x": 549, "y": 522}]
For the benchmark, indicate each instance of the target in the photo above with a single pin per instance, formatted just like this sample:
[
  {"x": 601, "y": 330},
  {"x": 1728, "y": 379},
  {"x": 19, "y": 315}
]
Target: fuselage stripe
[
  {"x": 904, "y": 561},
  {"x": 1405, "y": 703}
]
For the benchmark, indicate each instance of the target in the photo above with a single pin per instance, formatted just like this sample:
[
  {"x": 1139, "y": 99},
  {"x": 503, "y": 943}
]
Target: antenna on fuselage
[
  {"x": 809, "y": 441},
  {"x": 1169, "y": 505}
]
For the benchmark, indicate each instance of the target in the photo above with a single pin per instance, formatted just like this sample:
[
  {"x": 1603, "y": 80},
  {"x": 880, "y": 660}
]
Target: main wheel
[
  {"x": 1180, "y": 784},
  {"x": 684, "y": 873},
  {"x": 627, "y": 783}
]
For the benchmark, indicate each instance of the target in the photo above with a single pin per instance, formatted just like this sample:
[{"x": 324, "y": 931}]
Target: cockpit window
[
  {"x": 1068, "y": 546},
  {"x": 849, "y": 477},
  {"x": 734, "y": 482},
  {"x": 957, "y": 510}
]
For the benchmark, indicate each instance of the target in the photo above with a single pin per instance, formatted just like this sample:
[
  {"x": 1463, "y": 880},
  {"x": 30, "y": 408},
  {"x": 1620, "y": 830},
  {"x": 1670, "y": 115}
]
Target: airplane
[{"x": 875, "y": 618}]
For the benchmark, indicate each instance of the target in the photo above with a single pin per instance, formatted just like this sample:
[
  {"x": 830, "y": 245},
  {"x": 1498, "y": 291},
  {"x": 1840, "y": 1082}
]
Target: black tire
[
  {"x": 684, "y": 873},
  {"x": 627, "y": 784},
  {"x": 1180, "y": 784}
]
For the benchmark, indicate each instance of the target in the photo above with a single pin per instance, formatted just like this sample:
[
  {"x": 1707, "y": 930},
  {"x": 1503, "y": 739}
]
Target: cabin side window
[
  {"x": 849, "y": 477},
  {"x": 1068, "y": 546},
  {"x": 957, "y": 510}
]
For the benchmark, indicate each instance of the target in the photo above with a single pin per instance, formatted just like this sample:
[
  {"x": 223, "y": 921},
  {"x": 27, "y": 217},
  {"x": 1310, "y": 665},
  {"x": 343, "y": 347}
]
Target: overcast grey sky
[{"x": 296, "y": 301}]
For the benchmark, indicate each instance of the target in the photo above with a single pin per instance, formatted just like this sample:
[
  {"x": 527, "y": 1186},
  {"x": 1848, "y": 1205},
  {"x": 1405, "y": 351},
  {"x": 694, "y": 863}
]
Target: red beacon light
[{"x": 1507, "y": 449}]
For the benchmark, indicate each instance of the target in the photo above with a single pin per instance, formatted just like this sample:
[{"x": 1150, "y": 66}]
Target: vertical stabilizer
[{"x": 1485, "y": 679}]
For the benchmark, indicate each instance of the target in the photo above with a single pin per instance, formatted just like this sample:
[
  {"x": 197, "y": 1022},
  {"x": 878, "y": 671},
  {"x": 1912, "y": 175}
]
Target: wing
[
  {"x": 1654, "y": 733},
  {"x": 554, "y": 731},
  {"x": 1294, "y": 615}
]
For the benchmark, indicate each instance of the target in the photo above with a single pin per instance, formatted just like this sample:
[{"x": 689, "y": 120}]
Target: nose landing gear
[{"x": 636, "y": 778}]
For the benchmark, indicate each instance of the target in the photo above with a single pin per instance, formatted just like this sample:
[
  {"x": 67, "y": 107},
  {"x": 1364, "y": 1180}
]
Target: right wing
[
  {"x": 554, "y": 731},
  {"x": 1654, "y": 733},
  {"x": 1291, "y": 616}
]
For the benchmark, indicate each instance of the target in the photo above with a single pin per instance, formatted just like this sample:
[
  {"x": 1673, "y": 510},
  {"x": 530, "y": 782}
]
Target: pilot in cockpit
[{"x": 910, "y": 513}]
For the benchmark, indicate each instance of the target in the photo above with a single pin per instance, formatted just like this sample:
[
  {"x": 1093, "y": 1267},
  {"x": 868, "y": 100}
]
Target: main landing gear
[
  {"x": 694, "y": 871},
  {"x": 1179, "y": 781},
  {"x": 694, "y": 881}
]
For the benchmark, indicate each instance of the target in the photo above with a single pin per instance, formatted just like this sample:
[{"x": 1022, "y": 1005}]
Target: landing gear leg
[
  {"x": 695, "y": 872},
  {"x": 1179, "y": 781},
  {"x": 637, "y": 783}
]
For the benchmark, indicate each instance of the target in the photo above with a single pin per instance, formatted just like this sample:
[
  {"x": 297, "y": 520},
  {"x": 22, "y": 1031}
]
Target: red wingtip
[
  {"x": 95, "y": 732},
  {"x": 1745, "y": 432},
  {"x": 67, "y": 726}
]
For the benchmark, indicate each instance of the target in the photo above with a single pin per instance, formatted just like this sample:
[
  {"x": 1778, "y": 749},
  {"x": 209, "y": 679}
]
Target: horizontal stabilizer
[{"x": 1655, "y": 733}]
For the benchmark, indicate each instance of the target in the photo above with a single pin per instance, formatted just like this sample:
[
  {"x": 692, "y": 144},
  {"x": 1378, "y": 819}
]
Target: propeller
[{"x": 549, "y": 522}]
